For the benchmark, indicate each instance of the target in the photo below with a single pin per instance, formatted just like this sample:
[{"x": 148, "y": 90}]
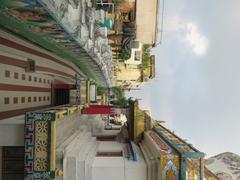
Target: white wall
[
  {"x": 108, "y": 168},
  {"x": 147, "y": 20},
  {"x": 131, "y": 60},
  {"x": 12, "y": 135},
  {"x": 0, "y": 163}
]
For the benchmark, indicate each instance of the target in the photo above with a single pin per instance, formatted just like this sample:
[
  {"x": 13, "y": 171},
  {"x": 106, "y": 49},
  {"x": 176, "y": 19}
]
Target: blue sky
[{"x": 197, "y": 88}]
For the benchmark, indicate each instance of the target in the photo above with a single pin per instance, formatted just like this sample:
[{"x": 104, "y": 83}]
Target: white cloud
[
  {"x": 194, "y": 39},
  {"x": 192, "y": 36}
]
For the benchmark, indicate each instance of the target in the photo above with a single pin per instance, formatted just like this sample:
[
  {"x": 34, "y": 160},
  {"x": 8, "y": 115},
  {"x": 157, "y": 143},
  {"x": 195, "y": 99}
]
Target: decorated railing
[{"x": 40, "y": 142}]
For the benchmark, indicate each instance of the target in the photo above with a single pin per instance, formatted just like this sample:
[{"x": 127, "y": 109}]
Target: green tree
[
  {"x": 145, "y": 56},
  {"x": 125, "y": 54},
  {"x": 99, "y": 90},
  {"x": 120, "y": 100}
]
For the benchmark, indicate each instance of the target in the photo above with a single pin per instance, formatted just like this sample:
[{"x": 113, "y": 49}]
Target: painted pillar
[
  {"x": 183, "y": 167},
  {"x": 201, "y": 169},
  {"x": 40, "y": 145},
  {"x": 77, "y": 88}
]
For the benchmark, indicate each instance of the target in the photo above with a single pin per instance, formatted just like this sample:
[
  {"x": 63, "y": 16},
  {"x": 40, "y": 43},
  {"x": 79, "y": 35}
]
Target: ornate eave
[{"x": 34, "y": 21}]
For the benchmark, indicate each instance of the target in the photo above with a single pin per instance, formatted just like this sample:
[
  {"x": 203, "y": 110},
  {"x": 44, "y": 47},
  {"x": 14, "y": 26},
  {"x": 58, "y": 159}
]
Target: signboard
[{"x": 93, "y": 93}]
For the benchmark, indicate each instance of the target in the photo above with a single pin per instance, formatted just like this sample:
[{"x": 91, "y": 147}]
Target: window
[
  {"x": 35, "y": 79},
  {"x": 40, "y": 80},
  {"x": 30, "y": 78},
  {"x": 44, "y": 81},
  {"x": 39, "y": 99},
  {"x": 44, "y": 98},
  {"x": 29, "y": 99},
  {"x": 16, "y": 75},
  {"x": 6, "y": 100},
  {"x": 138, "y": 55},
  {"x": 30, "y": 66},
  {"x": 7, "y": 74},
  {"x": 23, "y": 99},
  {"x": 12, "y": 163},
  {"x": 23, "y": 77},
  {"x": 15, "y": 100},
  {"x": 35, "y": 99}
]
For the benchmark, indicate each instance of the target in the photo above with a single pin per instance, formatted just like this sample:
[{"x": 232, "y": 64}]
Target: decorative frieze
[{"x": 39, "y": 149}]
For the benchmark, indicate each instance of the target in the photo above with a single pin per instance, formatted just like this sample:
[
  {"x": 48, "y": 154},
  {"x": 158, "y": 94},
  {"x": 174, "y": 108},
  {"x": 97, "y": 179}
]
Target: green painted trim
[
  {"x": 167, "y": 141},
  {"x": 195, "y": 154},
  {"x": 183, "y": 168}
]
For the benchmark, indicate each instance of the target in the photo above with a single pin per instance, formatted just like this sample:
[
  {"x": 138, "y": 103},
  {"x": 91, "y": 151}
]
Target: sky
[{"x": 197, "y": 85}]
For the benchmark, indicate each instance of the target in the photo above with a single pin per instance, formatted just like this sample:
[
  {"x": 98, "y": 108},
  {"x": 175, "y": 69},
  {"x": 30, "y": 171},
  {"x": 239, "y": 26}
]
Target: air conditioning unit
[{"x": 30, "y": 66}]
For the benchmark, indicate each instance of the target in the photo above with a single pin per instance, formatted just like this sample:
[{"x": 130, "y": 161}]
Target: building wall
[
  {"x": 0, "y": 163},
  {"x": 131, "y": 60},
  {"x": 138, "y": 123},
  {"x": 27, "y": 90},
  {"x": 36, "y": 92},
  {"x": 147, "y": 20},
  {"x": 127, "y": 75}
]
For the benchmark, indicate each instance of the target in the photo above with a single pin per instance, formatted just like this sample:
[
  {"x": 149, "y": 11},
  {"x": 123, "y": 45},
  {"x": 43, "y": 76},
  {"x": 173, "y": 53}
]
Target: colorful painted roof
[
  {"x": 162, "y": 146},
  {"x": 177, "y": 143}
]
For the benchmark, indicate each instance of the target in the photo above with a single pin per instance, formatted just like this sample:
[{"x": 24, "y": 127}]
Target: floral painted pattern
[{"x": 161, "y": 144}]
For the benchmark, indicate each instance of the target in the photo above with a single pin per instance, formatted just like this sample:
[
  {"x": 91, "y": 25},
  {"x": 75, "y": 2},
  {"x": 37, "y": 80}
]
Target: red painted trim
[
  {"x": 20, "y": 47},
  {"x": 109, "y": 154},
  {"x": 11, "y": 87},
  {"x": 16, "y": 112},
  {"x": 12, "y": 61},
  {"x": 23, "y": 64},
  {"x": 98, "y": 109},
  {"x": 63, "y": 86},
  {"x": 44, "y": 69}
]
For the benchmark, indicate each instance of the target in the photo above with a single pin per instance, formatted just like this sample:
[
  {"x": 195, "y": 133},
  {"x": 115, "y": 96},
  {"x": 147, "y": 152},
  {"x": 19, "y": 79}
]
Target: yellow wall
[
  {"x": 127, "y": 75},
  {"x": 138, "y": 122}
]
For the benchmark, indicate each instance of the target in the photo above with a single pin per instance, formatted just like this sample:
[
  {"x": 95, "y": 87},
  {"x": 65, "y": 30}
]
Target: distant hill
[{"x": 225, "y": 165}]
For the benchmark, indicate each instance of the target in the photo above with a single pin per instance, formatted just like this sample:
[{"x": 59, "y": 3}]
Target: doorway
[
  {"x": 61, "y": 96},
  {"x": 12, "y": 163}
]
